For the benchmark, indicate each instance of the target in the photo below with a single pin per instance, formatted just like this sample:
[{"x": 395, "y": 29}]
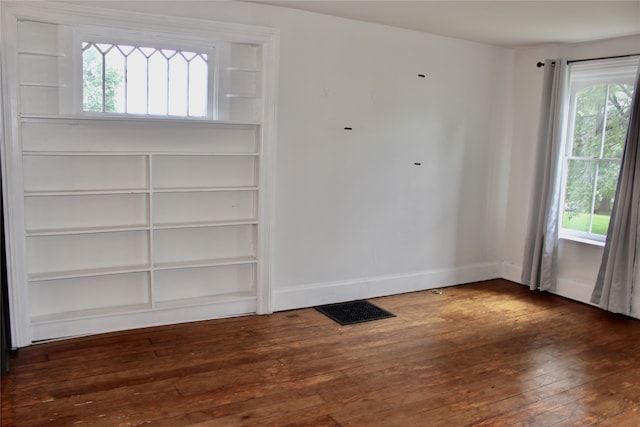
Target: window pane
[
  {"x": 198, "y": 91},
  {"x": 158, "y": 84},
  {"x": 136, "y": 83},
  {"x": 114, "y": 82},
  {"x": 606, "y": 187},
  {"x": 579, "y": 195},
  {"x": 178, "y": 86},
  {"x": 618, "y": 110},
  {"x": 91, "y": 79},
  {"x": 590, "y": 108}
]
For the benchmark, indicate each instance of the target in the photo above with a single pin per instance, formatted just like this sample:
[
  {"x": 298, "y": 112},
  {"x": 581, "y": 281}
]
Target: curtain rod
[{"x": 541, "y": 64}]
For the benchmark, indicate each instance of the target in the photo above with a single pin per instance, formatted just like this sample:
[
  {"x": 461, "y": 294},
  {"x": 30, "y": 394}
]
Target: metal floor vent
[{"x": 347, "y": 313}]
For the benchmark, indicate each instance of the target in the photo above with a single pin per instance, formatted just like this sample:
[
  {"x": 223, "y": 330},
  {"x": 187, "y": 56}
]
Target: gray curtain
[
  {"x": 615, "y": 282},
  {"x": 540, "y": 258}
]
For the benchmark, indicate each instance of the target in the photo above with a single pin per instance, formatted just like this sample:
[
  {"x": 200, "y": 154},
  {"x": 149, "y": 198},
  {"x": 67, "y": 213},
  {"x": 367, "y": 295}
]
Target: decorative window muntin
[{"x": 124, "y": 78}]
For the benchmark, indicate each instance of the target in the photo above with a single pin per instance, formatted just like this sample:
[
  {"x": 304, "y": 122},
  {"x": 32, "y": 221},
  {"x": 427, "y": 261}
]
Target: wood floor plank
[{"x": 485, "y": 354}]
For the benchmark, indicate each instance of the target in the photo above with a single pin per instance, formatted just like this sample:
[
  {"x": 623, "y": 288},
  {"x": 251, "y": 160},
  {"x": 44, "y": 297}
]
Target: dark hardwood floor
[{"x": 485, "y": 354}]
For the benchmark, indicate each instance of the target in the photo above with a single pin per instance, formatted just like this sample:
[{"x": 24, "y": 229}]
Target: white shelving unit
[
  {"x": 117, "y": 221},
  {"x": 163, "y": 229},
  {"x": 242, "y": 81}
]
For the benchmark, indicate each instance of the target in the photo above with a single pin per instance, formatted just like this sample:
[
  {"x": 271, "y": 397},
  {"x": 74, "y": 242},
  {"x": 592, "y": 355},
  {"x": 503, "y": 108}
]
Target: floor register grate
[{"x": 348, "y": 313}]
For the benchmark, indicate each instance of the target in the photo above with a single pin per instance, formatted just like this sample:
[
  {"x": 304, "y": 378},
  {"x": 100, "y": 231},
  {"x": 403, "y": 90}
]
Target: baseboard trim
[
  {"x": 512, "y": 272},
  {"x": 567, "y": 288},
  {"x": 371, "y": 287},
  {"x": 574, "y": 290}
]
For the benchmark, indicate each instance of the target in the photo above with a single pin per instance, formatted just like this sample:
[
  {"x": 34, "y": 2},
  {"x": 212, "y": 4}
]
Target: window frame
[
  {"x": 152, "y": 39},
  {"x": 584, "y": 75}
]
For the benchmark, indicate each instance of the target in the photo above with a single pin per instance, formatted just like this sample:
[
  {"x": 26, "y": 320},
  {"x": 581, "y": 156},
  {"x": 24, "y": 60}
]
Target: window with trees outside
[
  {"x": 140, "y": 80},
  {"x": 599, "y": 108}
]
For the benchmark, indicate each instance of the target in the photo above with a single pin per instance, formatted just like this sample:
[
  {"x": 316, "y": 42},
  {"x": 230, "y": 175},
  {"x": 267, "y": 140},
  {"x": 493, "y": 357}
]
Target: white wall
[
  {"x": 354, "y": 217},
  {"x": 578, "y": 262}
]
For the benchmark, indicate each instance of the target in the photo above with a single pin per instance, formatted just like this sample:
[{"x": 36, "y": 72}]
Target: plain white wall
[
  {"x": 354, "y": 216},
  {"x": 578, "y": 262}
]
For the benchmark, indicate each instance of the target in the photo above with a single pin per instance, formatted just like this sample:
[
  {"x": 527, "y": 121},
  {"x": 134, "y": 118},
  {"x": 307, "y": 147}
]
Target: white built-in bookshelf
[
  {"x": 161, "y": 225},
  {"x": 136, "y": 221}
]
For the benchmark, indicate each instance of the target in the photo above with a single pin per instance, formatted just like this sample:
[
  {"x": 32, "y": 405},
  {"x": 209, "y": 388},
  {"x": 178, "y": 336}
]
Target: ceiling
[{"x": 502, "y": 23}]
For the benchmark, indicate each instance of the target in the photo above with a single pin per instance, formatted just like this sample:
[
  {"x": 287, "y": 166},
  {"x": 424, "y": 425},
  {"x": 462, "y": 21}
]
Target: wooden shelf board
[
  {"x": 93, "y": 312},
  {"x": 40, "y": 84},
  {"x": 38, "y": 193},
  {"x": 203, "y": 224},
  {"x": 244, "y": 69},
  {"x": 134, "y": 120},
  {"x": 66, "y": 153},
  {"x": 72, "y": 274},
  {"x": 222, "y": 298},
  {"x": 41, "y": 53},
  {"x": 175, "y": 265},
  {"x": 209, "y": 154},
  {"x": 241, "y": 96},
  {"x": 86, "y": 230},
  {"x": 205, "y": 189}
]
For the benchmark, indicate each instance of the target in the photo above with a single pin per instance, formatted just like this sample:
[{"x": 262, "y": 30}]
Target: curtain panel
[
  {"x": 615, "y": 282},
  {"x": 539, "y": 265}
]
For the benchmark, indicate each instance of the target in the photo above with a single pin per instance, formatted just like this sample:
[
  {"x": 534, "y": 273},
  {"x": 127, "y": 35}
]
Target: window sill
[{"x": 581, "y": 240}]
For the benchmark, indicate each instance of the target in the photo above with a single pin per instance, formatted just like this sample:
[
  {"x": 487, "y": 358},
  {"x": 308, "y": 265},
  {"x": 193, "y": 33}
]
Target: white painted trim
[
  {"x": 12, "y": 182},
  {"x": 567, "y": 288},
  {"x": 71, "y": 14},
  {"x": 512, "y": 272},
  {"x": 142, "y": 319},
  {"x": 574, "y": 290},
  {"x": 370, "y": 287},
  {"x": 564, "y": 235},
  {"x": 268, "y": 138}
]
